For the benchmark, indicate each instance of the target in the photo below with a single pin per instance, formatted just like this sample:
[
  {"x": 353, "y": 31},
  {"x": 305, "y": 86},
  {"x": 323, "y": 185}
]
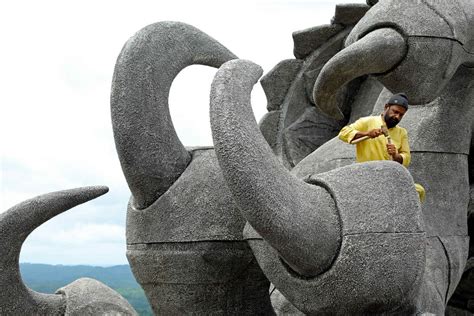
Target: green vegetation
[{"x": 48, "y": 278}]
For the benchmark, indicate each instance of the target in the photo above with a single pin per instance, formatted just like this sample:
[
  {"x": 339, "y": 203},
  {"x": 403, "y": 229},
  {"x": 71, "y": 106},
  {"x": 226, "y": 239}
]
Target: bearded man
[{"x": 380, "y": 138}]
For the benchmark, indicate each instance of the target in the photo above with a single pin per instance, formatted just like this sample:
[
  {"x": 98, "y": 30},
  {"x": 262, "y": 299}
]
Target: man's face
[{"x": 393, "y": 114}]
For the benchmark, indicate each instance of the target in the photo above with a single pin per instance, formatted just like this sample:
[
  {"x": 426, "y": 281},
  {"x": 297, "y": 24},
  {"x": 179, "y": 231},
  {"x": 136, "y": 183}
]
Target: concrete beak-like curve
[
  {"x": 297, "y": 219},
  {"x": 150, "y": 152},
  {"x": 413, "y": 47},
  {"x": 15, "y": 225},
  {"x": 376, "y": 53}
]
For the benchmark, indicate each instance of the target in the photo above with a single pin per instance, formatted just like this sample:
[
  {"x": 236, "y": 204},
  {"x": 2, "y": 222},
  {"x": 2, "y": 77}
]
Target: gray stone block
[
  {"x": 350, "y": 13},
  {"x": 438, "y": 43},
  {"x": 311, "y": 130},
  {"x": 187, "y": 251},
  {"x": 90, "y": 297},
  {"x": 308, "y": 40},
  {"x": 365, "y": 98},
  {"x": 431, "y": 18},
  {"x": 462, "y": 301},
  {"x": 277, "y": 81},
  {"x": 297, "y": 135},
  {"x": 316, "y": 61},
  {"x": 431, "y": 127},
  {"x": 444, "y": 177},
  {"x": 269, "y": 127},
  {"x": 283, "y": 306},
  {"x": 354, "y": 282},
  {"x": 201, "y": 278},
  {"x": 333, "y": 154},
  {"x": 197, "y": 207}
]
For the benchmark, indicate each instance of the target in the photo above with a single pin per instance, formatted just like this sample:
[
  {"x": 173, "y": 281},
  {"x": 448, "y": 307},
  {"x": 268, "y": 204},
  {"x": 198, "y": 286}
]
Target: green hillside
[{"x": 48, "y": 278}]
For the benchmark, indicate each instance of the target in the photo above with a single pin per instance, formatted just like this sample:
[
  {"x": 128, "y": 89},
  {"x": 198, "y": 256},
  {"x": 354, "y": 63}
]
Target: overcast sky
[{"x": 57, "y": 61}]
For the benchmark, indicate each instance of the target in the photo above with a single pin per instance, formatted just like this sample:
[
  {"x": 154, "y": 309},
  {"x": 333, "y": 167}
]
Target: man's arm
[{"x": 357, "y": 130}]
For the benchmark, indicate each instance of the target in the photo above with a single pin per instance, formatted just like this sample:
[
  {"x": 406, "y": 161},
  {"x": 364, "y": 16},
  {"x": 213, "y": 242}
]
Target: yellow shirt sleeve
[
  {"x": 404, "y": 150},
  {"x": 348, "y": 132}
]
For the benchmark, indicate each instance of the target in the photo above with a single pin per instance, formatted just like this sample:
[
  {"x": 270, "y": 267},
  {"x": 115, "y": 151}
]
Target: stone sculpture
[
  {"x": 283, "y": 202},
  {"x": 332, "y": 236},
  {"x": 82, "y": 297}
]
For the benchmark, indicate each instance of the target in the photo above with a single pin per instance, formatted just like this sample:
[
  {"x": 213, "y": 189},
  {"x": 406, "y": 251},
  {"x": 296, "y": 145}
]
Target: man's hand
[
  {"x": 392, "y": 151},
  {"x": 376, "y": 132}
]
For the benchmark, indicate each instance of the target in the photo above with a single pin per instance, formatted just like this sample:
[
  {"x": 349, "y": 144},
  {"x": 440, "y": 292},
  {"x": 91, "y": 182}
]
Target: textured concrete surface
[
  {"x": 307, "y": 40},
  {"x": 439, "y": 39},
  {"x": 394, "y": 225},
  {"x": 277, "y": 81},
  {"x": 432, "y": 18},
  {"x": 187, "y": 250},
  {"x": 150, "y": 152},
  {"x": 350, "y": 13},
  {"x": 182, "y": 222},
  {"x": 201, "y": 278},
  {"x": 354, "y": 61},
  {"x": 311, "y": 130},
  {"x": 282, "y": 305},
  {"x": 90, "y": 297},
  {"x": 440, "y": 163},
  {"x": 350, "y": 250},
  {"x": 463, "y": 297},
  {"x": 280, "y": 209},
  {"x": 269, "y": 127},
  {"x": 187, "y": 214},
  {"x": 301, "y": 126},
  {"x": 15, "y": 226}
]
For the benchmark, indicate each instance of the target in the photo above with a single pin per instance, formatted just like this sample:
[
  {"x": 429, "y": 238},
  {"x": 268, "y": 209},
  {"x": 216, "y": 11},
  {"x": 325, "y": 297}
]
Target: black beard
[{"x": 390, "y": 121}]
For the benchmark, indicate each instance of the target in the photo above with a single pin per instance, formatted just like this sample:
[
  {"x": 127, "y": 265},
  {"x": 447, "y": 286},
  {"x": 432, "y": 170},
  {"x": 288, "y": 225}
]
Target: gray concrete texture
[
  {"x": 288, "y": 134},
  {"x": 90, "y": 297},
  {"x": 184, "y": 230},
  {"x": 299, "y": 129},
  {"x": 143, "y": 130},
  {"x": 440, "y": 134},
  {"x": 188, "y": 246},
  {"x": 440, "y": 130},
  {"x": 439, "y": 39},
  {"x": 291, "y": 202},
  {"x": 208, "y": 230},
  {"x": 381, "y": 218}
]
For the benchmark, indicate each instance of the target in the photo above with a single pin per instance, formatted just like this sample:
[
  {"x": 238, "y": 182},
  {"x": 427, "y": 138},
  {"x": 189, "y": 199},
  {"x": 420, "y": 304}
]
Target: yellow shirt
[{"x": 376, "y": 148}]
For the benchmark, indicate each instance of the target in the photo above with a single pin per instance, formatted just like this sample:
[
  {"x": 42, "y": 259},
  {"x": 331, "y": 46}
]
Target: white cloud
[
  {"x": 97, "y": 244},
  {"x": 84, "y": 234},
  {"x": 57, "y": 61}
]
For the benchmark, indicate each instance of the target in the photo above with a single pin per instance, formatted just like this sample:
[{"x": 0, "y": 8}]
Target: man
[{"x": 373, "y": 144}]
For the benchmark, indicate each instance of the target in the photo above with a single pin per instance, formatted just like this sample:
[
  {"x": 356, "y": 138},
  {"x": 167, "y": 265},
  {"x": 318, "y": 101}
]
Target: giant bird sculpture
[
  {"x": 283, "y": 202},
  {"x": 332, "y": 236}
]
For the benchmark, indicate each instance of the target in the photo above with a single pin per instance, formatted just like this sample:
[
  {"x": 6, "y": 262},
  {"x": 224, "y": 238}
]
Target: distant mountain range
[{"x": 47, "y": 278}]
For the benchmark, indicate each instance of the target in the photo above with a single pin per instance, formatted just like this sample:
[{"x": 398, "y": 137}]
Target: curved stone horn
[
  {"x": 15, "y": 225},
  {"x": 298, "y": 219},
  {"x": 150, "y": 152},
  {"x": 376, "y": 53}
]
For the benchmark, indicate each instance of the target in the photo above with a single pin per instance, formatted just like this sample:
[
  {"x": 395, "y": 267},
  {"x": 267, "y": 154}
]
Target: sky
[{"x": 57, "y": 61}]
